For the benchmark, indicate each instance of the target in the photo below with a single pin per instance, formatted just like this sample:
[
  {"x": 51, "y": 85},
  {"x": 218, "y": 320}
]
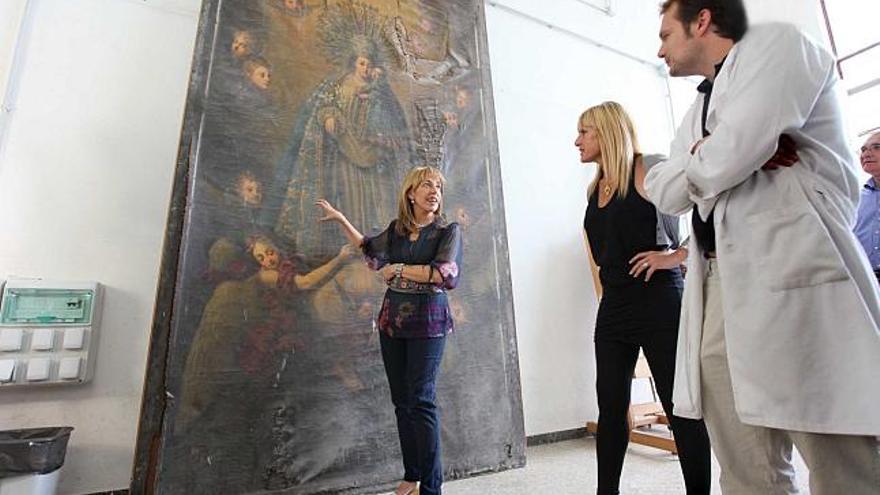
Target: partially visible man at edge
[
  {"x": 868, "y": 220},
  {"x": 779, "y": 341}
]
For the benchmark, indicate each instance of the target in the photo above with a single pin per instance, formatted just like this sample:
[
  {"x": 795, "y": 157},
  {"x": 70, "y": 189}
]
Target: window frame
[{"x": 873, "y": 83}]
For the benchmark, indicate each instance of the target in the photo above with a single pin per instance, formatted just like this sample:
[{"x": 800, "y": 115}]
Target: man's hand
[{"x": 785, "y": 156}]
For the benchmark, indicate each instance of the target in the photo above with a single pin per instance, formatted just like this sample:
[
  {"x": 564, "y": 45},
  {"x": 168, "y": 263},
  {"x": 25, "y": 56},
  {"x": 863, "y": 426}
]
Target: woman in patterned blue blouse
[{"x": 419, "y": 256}]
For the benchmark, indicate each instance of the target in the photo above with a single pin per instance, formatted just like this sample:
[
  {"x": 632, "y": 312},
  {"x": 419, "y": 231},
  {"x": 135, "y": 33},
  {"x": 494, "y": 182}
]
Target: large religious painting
[{"x": 273, "y": 379}]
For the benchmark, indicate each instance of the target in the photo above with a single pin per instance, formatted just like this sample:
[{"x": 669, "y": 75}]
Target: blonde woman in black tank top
[{"x": 635, "y": 257}]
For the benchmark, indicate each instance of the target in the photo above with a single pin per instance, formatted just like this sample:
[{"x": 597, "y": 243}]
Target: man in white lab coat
[{"x": 779, "y": 339}]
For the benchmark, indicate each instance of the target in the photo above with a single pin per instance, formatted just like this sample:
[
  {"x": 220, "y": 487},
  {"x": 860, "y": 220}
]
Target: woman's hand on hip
[{"x": 648, "y": 262}]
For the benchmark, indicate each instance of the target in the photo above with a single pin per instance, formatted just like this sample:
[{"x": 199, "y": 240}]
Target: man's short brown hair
[{"x": 728, "y": 16}]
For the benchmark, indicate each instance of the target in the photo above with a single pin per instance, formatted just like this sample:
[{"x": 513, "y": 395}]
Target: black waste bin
[{"x": 33, "y": 450}]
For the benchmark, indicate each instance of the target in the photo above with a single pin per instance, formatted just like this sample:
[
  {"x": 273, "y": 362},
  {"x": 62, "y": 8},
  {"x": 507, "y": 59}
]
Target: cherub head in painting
[
  {"x": 451, "y": 120},
  {"x": 265, "y": 252},
  {"x": 462, "y": 216},
  {"x": 294, "y": 7},
  {"x": 248, "y": 189},
  {"x": 458, "y": 102},
  {"x": 243, "y": 44},
  {"x": 462, "y": 98},
  {"x": 258, "y": 72},
  {"x": 260, "y": 248}
]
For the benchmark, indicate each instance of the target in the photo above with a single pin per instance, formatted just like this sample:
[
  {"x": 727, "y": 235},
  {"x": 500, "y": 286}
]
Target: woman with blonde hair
[
  {"x": 635, "y": 256},
  {"x": 419, "y": 256}
]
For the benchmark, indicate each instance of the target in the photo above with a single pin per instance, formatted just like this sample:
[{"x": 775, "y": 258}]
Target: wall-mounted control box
[{"x": 48, "y": 332}]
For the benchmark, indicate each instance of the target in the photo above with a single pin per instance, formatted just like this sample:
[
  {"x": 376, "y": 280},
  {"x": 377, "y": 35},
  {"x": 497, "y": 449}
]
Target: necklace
[
  {"x": 605, "y": 187},
  {"x": 422, "y": 225}
]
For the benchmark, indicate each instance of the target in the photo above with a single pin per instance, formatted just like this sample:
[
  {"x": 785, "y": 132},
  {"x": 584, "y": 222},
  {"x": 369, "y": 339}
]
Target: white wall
[
  {"x": 11, "y": 15},
  {"x": 11, "y": 12},
  {"x": 805, "y": 14},
  {"x": 84, "y": 188}
]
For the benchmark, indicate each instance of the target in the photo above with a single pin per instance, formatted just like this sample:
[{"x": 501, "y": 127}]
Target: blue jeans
[{"x": 412, "y": 366}]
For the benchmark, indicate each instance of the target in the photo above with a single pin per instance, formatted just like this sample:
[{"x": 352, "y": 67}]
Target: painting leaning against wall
[{"x": 273, "y": 367}]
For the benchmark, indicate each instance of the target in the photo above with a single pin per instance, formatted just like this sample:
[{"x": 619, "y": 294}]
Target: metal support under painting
[{"x": 267, "y": 376}]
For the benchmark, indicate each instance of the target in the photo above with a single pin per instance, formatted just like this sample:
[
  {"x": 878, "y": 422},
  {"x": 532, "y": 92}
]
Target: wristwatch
[{"x": 398, "y": 270}]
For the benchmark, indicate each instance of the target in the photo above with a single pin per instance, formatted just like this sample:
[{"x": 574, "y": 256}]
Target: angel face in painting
[
  {"x": 266, "y": 255},
  {"x": 248, "y": 189},
  {"x": 258, "y": 72},
  {"x": 294, "y": 7},
  {"x": 242, "y": 44},
  {"x": 462, "y": 98}
]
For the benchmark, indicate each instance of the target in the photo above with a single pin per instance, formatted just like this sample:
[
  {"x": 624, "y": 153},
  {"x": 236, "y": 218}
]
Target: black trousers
[{"x": 615, "y": 364}]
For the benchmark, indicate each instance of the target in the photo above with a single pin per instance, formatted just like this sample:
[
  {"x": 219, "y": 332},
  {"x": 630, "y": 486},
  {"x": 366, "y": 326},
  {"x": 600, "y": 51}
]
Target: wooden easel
[{"x": 642, "y": 417}]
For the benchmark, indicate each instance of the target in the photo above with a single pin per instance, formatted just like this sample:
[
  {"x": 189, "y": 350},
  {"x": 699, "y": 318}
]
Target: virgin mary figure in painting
[{"x": 350, "y": 142}]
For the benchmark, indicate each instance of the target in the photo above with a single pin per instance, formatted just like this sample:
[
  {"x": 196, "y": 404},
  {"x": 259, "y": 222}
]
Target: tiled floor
[{"x": 569, "y": 468}]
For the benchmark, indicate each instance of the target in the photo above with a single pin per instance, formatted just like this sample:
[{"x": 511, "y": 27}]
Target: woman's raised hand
[{"x": 330, "y": 213}]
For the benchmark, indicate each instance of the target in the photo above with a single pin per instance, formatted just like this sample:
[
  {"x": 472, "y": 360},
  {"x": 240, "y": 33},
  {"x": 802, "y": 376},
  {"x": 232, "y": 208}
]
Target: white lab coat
[{"x": 801, "y": 306}]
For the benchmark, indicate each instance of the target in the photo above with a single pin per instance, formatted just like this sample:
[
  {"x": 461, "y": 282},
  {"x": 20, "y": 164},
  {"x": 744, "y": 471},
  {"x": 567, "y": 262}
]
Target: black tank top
[{"x": 620, "y": 230}]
